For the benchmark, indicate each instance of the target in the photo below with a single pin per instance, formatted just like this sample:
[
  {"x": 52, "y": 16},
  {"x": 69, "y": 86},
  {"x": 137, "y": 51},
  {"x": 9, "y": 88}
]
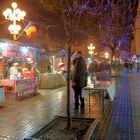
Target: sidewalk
[
  {"x": 20, "y": 119},
  {"x": 122, "y": 121}
]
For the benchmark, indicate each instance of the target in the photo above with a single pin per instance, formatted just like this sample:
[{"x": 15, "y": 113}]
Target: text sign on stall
[{"x": 25, "y": 87}]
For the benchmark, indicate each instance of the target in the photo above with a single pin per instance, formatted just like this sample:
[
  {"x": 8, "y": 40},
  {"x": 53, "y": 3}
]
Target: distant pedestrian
[
  {"x": 79, "y": 79},
  {"x": 92, "y": 69}
]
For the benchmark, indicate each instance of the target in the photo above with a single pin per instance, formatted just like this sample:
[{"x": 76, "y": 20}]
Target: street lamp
[
  {"x": 91, "y": 52},
  {"x": 14, "y": 15},
  {"x": 106, "y": 55},
  {"x": 91, "y": 49}
]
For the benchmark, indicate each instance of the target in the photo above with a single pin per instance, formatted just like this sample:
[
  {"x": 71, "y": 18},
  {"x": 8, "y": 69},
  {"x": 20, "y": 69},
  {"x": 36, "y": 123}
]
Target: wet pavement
[
  {"x": 20, "y": 119},
  {"x": 122, "y": 121}
]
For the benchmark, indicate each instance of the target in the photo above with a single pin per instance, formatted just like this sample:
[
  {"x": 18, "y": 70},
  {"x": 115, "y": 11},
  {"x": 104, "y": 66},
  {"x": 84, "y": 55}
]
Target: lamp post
[
  {"x": 91, "y": 49},
  {"x": 14, "y": 15}
]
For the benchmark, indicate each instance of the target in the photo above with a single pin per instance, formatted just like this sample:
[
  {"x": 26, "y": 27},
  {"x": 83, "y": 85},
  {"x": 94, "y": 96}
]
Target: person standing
[
  {"x": 13, "y": 71},
  {"x": 92, "y": 69},
  {"x": 79, "y": 79}
]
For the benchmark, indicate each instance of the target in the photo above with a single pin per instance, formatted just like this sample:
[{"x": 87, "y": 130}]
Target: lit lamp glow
[
  {"x": 14, "y": 15},
  {"x": 91, "y": 49},
  {"x": 14, "y": 29},
  {"x": 106, "y": 55},
  {"x": 91, "y": 52}
]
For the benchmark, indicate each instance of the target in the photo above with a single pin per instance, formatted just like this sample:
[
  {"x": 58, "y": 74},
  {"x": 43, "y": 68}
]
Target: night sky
[{"x": 49, "y": 25}]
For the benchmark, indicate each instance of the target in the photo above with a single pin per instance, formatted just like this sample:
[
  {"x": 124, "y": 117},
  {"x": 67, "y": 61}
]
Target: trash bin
[{"x": 2, "y": 95}]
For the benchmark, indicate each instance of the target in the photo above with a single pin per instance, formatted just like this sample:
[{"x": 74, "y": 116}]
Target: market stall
[
  {"x": 51, "y": 80},
  {"x": 52, "y": 68},
  {"x": 18, "y": 68}
]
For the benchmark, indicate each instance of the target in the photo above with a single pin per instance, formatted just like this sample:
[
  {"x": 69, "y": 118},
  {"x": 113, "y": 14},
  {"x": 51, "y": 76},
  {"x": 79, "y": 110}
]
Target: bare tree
[
  {"x": 69, "y": 12},
  {"x": 108, "y": 20},
  {"x": 111, "y": 21}
]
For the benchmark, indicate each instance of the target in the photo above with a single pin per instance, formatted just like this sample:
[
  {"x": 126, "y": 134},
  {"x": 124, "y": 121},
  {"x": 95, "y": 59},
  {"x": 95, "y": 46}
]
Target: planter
[{"x": 82, "y": 129}]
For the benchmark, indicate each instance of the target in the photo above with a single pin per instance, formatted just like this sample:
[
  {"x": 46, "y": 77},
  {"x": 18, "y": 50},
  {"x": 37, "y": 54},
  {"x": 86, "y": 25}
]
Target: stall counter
[
  {"x": 19, "y": 88},
  {"x": 51, "y": 80}
]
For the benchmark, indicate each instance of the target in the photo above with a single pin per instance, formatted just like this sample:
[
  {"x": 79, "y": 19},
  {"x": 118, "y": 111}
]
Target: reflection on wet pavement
[{"x": 20, "y": 119}]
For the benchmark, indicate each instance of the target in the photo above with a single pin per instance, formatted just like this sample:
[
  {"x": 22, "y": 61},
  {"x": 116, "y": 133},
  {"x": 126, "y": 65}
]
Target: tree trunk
[
  {"x": 111, "y": 63},
  {"x": 68, "y": 30},
  {"x": 69, "y": 77}
]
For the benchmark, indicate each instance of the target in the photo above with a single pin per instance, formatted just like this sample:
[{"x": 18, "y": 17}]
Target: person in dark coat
[{"x": 79, "y": 79}]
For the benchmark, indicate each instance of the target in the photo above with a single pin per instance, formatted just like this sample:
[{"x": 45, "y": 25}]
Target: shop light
[
  {"x": 24, "y": 50},
  {"x": 89, "y": 59},
  {"x": 4, "y": 45}
]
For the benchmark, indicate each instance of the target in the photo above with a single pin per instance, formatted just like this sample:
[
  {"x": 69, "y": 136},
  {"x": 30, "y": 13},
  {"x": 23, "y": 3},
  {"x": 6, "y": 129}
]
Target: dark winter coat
[{"x": 79, "y": 76}]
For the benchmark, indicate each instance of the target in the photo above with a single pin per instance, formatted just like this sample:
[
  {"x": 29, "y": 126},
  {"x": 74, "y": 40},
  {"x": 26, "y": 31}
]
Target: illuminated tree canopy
[{"x": 107, "y": 22}]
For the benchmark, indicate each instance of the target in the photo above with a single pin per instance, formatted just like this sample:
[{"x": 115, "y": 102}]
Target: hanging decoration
[
  {"x": 30, "y": 29},
  {"x": 14, "y": 53},
  {"x": 12, "y": 50}
]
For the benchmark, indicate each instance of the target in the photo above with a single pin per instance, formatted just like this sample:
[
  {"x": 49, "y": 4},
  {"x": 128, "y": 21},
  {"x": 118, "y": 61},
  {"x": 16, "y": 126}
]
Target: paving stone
[{"x": 121, "y": 120}]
